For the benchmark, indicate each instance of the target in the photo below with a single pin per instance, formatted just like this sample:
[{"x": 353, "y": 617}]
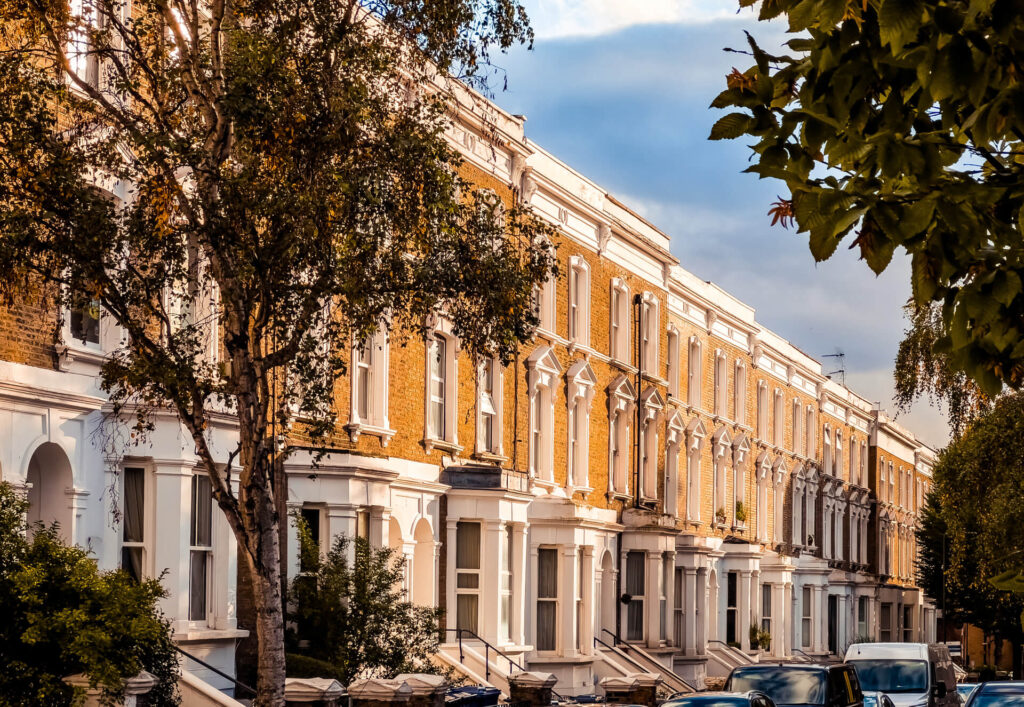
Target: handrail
[
  {"x": 797, "y": 650},
  {"x": 619, "y": 651},
  {"x": 645, "y": 668},
  {"x": 733, "y": 651},
  {"x": 216, "y": 670},
  {"x": 487, "y": 654}
]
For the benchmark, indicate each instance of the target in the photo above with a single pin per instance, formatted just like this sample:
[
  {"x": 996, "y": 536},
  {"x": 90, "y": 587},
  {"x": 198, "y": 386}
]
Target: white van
[{"x": 911, "y": 674}]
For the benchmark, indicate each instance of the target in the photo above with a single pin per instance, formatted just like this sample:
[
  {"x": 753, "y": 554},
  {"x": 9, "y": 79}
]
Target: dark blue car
[
  {"x": 721, "y": 699},
  {"x": 791, "y": 684},
  {"x": 997, "y": 694}
]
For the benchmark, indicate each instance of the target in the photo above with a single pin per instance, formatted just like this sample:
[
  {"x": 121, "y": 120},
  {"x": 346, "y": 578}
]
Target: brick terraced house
[{"x": 655, "y": 468}]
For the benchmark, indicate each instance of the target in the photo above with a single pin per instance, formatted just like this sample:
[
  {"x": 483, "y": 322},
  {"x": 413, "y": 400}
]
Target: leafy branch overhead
[{"x": 900, "y": 123}]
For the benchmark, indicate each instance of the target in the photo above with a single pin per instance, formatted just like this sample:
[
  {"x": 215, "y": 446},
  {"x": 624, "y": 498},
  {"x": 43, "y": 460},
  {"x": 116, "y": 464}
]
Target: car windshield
[
  {"x": 893, "y": 675},
  {"x": 998, "y": 700},
  {"x": 715, "y": 701},
  {"x": 785, "y": 685}
]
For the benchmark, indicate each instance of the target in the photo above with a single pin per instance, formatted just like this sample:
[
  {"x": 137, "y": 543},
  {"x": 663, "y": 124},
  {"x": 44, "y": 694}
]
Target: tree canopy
[
  {"x": 246, "y": 187},
  {"x": 899, "y": 123},
  {"x": 62, "y": 616},
  {"x": 974, "y": 511}
]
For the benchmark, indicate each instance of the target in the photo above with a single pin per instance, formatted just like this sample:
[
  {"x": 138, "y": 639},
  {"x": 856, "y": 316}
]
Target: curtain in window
[
  {"x": 467, "y": 545},
  {"x": 547, "y": 598},
  {"x": 635, "y": 562},
  {"x": 134, "y": 488}
]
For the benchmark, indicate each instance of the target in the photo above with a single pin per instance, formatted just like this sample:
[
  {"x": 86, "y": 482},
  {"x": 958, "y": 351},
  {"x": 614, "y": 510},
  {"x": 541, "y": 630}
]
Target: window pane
[
  {"x": 635, "y": 620},
  {"x": 202, "y": 510},
  {"x": 198, "y": 586},
  {"x": 635, "y": 573},
  {"x": 85, "y": 322},
  {"x": 546, "y": 612},
  {"x": 131, "y": 562},
  {"x": 134, "y": 488},
  {"x": 363, "y": 392},
  {"x": 766, "y": 601},
  {"x": 467, "y": 545},
  {"x": 547, "y": 573},
  {"x": 467, "y": 606},
  {"x": 468, "y": 580}
]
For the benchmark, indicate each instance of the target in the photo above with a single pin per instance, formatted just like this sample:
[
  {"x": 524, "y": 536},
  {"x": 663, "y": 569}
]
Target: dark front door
[{"x": 833, "y": 624}]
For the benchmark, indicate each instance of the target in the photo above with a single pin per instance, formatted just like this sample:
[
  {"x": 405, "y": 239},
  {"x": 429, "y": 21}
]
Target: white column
[
  {"x": 743, "y": 607},
  {"x": 449, "y": 584},
  {"x": 652, "y": 598},
  {"x": 520, "y": 595},
  {"x": 844, "y": 621},
  {"x": 691, "y": 612},
  {"x": 490, "y": 579},
  {"x": 701, "y": 622},
  {"x": 589, "y": 612},
  {"x": 292, "y": 548},
  {"x": 567, "y": 601},
  {"x": 531, "y": 602},
  {"x": 170, "y": 552},
  {"x": 819, "y": 620},
  {"x": 670, "y": 599},
  {"x": 796, "y": 601}
]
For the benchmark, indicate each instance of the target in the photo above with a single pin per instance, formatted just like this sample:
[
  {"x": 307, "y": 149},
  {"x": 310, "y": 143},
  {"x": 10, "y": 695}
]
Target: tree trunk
[
  {"x": 265, "y": 571},
  {"x": 1018, "y": 673}
]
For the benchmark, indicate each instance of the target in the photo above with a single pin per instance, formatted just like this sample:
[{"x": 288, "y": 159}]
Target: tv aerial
[{"x": 841, "y": 362}]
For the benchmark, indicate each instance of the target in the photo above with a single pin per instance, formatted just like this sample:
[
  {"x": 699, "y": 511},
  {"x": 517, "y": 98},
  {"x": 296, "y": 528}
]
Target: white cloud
[{"x": 588, "y": 18}]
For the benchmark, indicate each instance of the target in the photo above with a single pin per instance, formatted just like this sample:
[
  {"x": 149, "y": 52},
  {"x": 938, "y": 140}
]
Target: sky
[{"x": 619, "y": 90}]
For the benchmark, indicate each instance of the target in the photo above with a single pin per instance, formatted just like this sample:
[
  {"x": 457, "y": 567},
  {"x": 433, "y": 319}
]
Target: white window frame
[
  {"x": 377, "y": 371},
  {"x": 826, "y": 450},
  {"x": 762, "y": 411},
  {"x": 674, "y": 437},
  {"x": 489, "y": 407},
  {"x": 764, "y": 480},
  {"x": 476, "y": 572},
  {"x": 798, "y": 432},
  {"x": 549, "y": 599},
  {"x": 779, "y": 419},
  {"x": 543, "y": 375},
  {"x": 778, "y": 498},
  {"x": 581, "y": 384},
  {"x": 696, "y": 433},
  {"x": 650, "y": 326},
  {"x": 621, "y": 406},
  {"x": 544, "y": 306},
  {"x": 652, "y": 407},
  {"x": 739, "y": 394},
  {"x": 810, "y": 432},
  {"x": 144, "y": 546},
  {"x": 721, "y": 384},
  {"x": 798, "y": 529},
  {"x": 720, "y": 452},
  {"x": 695, "y": 351},
  {"x": 197, "y": 547},
  {"x": 579, "y": 301},
  {"x": 837, "y": 456},
  {"x": 620, "y": 320},
  {"x": 447, "y": 439},
  {"x": 672, "y": 367}
]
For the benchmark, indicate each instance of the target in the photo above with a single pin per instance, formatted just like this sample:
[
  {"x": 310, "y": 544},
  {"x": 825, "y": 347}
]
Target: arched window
[
  {"x": 651, "y": 327},
  {"x": 721, "y": 383},
  {"x": 721, "y": 449},
  {"x": 672, "y": 369},
  {"x": 762, "y": 412},
  {"x": 779, "y": 420},
  {"x": 442, "y": 386},
  {"x": 739, "y": 394},
  {"x": 579, "y": 301},
  {"x": 693, "y": 379},
  {"x": 619, "y": 346}
]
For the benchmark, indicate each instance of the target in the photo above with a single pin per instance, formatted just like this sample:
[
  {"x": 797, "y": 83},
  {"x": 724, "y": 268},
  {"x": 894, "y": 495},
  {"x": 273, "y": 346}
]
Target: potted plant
[
  {"x": 764, "y": 639},
  {"x": 755, "y": 638},
  {"x": 720, "y": 516},
  {"x": 741, "y": 513}
]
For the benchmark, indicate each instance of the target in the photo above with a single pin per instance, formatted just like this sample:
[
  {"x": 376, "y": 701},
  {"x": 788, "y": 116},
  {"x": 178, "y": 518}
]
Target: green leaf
[
  {"x": 731, "y": 126},
  {"x": 898, "y": 22}
]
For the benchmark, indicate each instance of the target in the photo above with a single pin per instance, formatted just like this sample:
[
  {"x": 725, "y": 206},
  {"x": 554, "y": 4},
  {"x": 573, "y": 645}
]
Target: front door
[{"x": 833, "y": 624}]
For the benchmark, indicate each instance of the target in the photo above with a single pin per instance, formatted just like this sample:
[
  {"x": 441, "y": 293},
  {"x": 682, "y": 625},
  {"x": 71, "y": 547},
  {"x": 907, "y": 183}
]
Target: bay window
[
  {"x": 636, "y": 585},
  {"x": 547, "y": 599},
  {"x": 467, "y": 575}
]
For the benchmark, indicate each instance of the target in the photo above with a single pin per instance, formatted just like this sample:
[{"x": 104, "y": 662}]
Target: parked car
[
  {"x": 721, "y": 699},
  {"x": 997, "y": 694},
  {"x": 911, "y": 674},
  {"x": 964, "y": 689},
  {"x": 791, "y": 684},
  {"x": 877, "y": 699}
]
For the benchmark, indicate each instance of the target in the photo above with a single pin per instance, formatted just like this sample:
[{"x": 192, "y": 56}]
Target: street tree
[
  {"x": 63, "y": 616},
  {"x": 284, "y": 188},
  {"x": 898, "y": 123},
  {"x": 972, "y": 515}
]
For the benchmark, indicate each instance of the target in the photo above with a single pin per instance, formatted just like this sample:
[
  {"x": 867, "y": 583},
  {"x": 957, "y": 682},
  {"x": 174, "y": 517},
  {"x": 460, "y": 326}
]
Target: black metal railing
[
  {"x": 733, "y": 651},
  {"x": 644, "y": 668},
  {"x": 224, "y": 675},
  {"x": 808, "y": 658},
  {"x": 488, "y": 648}
]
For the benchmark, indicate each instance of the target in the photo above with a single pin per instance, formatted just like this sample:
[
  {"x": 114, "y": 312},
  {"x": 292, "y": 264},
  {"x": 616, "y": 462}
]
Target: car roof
[
  {"x": 887, "y": 651},
  {"x": 1012, "y": 687},
  {"x": 715, "y": 693},
  {"x": 790, "y": 666}
]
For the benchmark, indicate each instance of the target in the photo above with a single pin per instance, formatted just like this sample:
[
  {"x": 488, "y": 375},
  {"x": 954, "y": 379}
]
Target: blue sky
[{"x": 619, "y": 89}]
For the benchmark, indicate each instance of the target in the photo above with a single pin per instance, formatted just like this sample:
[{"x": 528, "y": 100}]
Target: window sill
[
  {"x": 657, "y": 380},
  {"x": 622, "y": 365},
  {"x": 619, "y": 496},
  {"x": 194, "y": 635},
  {"x": 357, "y": 429},
  {"x": 585, "y": 490},
  {"x": 491, "y": 457},
  {"x": 442, "y": 445},
  {"x": 67, "y": 354}
]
